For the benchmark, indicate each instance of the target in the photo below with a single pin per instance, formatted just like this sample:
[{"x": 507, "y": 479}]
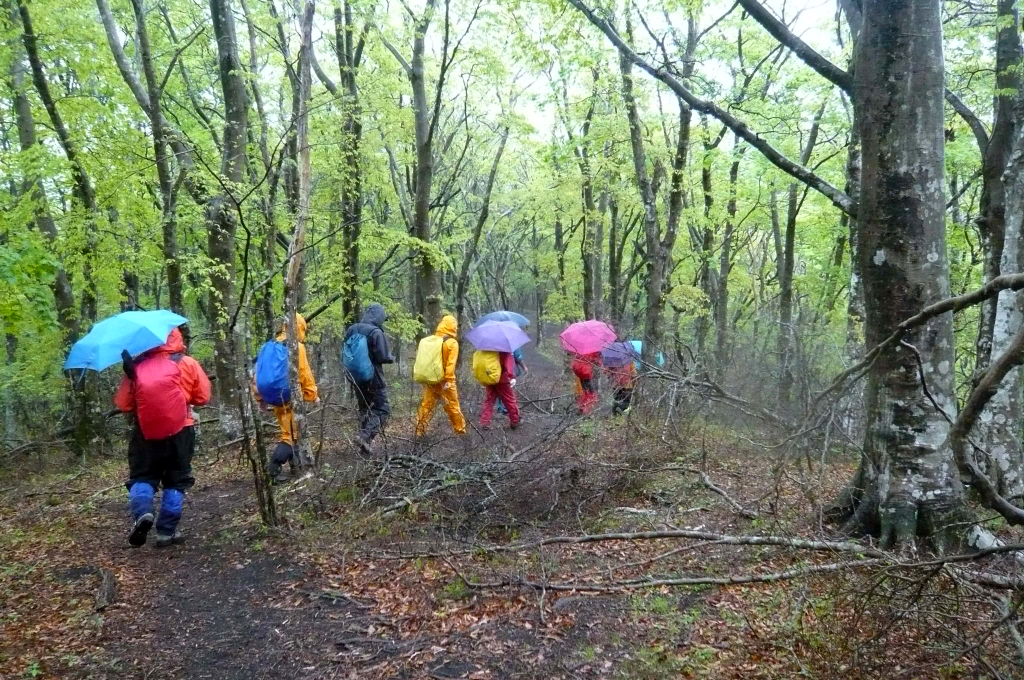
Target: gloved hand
[
  {"x": 128, "y": 364},
  {"x": 512, "y": 382},
  {"x": 446, "y": 386}
]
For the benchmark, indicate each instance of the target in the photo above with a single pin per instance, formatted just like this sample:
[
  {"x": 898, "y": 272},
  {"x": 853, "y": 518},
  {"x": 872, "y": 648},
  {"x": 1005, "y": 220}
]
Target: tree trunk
[
  {"x": 163, "y": 166},
  {"x": 995, "y": 154},
  {"x": 349, "y": 57},
  {"x": 614, "y": 264},
  {"x": 652, "y": 228},
  {"x": 855, "y": 299},
  {"x": 907, "y": 485},
  {"x": 63, "y": 297},
  {"x": 292, "y": 283},
  {"x": 721, "y": 305},
  {"x": 221, "y": 216},
  {"x": 84, "y": 190},
  {"x": 1002, "y": 197},
  {"x": 469, "y": 257},
  {"x": 1002, "y": 417},
  {"x": 785, "y": 265},
  {"x": 539, "y": 291},
  {"x": 428, "y": 281},
  {"x": 560, "y": 254},
  {"x": 590, "y": 219},
  {"x": 707, "y": 246}
]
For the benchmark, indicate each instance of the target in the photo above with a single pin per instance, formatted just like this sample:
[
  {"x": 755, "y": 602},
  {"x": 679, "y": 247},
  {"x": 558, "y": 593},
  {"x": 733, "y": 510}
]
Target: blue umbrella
[
  {"x": 517, "y": 319},
  {"x": 498, "y": 336},
  {"x": 132, "y": 331},
  {"x": 638, "y": 345}
]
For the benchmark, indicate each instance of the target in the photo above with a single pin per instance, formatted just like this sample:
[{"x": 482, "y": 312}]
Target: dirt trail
[{"x": 226, "y": 605}]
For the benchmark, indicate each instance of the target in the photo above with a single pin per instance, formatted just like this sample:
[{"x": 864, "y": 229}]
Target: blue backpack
[
  {"x": 355, "y": 357},
  {"x": 272, "y": 374}
]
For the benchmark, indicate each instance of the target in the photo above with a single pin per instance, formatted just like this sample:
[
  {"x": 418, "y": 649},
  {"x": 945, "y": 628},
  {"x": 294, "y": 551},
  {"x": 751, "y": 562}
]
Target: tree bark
[
  {"x": 84, "y": 190},
  {"x": 786, "y": 330},
  {"x": 657, "y": 244},
  {"x": 292, "y": 283},
  {"x": 907, "y": 485},
  {"x": 995, "y": 155},
  {"x": 221, "y": 215},
  {"x": 428, "y": 280},
  {"x": 721, "y": 305},
  {"x": 163, "y": 166},
  {"x": 1001, "y": 419},
  {"x": 350, "y": 53},
  {"x": 469, "y": 257},
  {"x": 855, "y": 299},
  {"x": 63, "y": 295}
]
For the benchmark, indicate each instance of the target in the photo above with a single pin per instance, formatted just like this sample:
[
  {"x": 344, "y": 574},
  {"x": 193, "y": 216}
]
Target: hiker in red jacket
[
  {"x": 161, "y": 387},
  {"x": 502, "y": 390},
  {"x": 586, "y": 382}
]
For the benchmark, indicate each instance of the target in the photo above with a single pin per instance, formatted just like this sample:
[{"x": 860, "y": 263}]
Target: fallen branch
[
  {"x": 682, "y": 581},
  {"x": 749, "y": 514},
  {"x": 725, "y": 539}
]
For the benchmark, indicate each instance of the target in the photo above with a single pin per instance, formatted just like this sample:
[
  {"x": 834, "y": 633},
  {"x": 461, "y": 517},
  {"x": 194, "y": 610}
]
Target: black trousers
[
  {"x": 622, "y": 398},
  {"x": 374, "y": 408},
  {"x": 284, "y": 453},
  {"x": 166, "y": 462}
]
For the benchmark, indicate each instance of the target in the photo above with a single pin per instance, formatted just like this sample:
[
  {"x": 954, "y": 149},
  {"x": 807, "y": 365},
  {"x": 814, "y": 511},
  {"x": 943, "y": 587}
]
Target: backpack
[
  {"x": 486, "y": 367},
  {"x": 355, "y": 357},
  {"x": 272, "y": 374},
  {"x": 160, "y": 403},
  {"x": 429, "y": 366}
]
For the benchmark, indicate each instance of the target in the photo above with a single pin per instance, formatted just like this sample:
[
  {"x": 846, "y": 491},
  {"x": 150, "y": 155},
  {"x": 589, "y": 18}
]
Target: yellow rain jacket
[
  {"x": 307, "y": 384},
  {"x": 446, "y": 392}
]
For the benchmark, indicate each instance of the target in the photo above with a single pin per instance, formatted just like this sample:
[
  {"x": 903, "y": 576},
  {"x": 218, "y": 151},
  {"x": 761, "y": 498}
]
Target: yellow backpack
[
  {"x": 486, "y": 367},
  {"x": 429, "y": 366}
]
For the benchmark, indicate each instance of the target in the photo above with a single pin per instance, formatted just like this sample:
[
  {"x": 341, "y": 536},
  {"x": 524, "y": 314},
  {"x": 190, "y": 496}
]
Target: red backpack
[{"x": 160, "y": 403}]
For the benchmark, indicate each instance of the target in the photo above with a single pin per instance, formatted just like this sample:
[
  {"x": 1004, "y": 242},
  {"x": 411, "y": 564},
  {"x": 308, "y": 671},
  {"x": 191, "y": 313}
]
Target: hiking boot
[
  {"x": 164, "y": 541},
  {"x": 514, "y": 426},
  {"x": 362, "y": 445},
  {"x": 141, "y": 529},
  {"x": 280, "y": 478}
]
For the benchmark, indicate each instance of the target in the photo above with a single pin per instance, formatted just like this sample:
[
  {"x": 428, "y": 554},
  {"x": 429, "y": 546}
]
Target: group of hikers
[{"x": 162, "y": 385}]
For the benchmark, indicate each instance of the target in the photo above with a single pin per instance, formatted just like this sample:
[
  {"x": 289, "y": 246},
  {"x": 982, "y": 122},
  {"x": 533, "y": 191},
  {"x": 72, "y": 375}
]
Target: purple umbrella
[
  {"x": 619, "y": 354},
  {"x": 498, "y": 336}
]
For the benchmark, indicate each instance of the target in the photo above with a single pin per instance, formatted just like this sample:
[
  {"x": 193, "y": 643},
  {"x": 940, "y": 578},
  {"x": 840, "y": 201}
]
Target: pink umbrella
[{"x": 587, "y": 337}]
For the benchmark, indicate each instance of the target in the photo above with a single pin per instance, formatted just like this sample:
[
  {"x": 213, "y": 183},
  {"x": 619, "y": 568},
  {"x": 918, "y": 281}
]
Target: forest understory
[
  {"x": 486, "y": 579},
  {"x": 808, "y": 216}
]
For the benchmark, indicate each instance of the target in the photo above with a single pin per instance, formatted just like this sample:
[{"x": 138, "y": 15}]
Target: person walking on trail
[
  {"x": 272, "y": 389},
  {"x": 364, "y": 353},
  {"x": 521, "y": 368},
  {"x": 503, "y": 391},
  {"x": 436, "y": 358},
  {"x": 160, "y": 388},
  {"x": 623, "y": 380},
  {"x": 586, "y": 382}
]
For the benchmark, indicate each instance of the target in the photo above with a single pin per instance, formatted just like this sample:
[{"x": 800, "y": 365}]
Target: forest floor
[{"x": 339, "y": 593}]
